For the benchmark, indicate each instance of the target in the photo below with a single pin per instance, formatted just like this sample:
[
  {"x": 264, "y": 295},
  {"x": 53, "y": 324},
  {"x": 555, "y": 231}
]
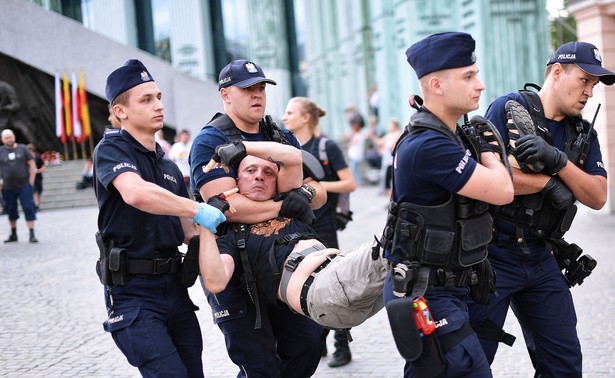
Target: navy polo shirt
[
  {"x": 204, "y": 146},
  {"x": 430, "y": 166},
  {"x": 144, "y": 235}
]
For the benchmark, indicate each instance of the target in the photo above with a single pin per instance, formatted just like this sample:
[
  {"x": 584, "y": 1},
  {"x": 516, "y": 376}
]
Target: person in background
[
  {"x": 356, "y": 143},
  {"x": 374, "y": 100},
  {"x": 180, "y": 154},
  {"x": 18, "y": 171},
  {"x": 302, "y": 117},
  {"x": 164, "y": 144},
  {"x": 38, "y": 180},
  {"x": 87, "y": 179},
  {"x": 386, "y": 144}
]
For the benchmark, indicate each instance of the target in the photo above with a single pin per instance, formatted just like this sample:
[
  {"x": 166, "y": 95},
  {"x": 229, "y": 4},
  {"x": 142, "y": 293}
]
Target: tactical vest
[
  {"x": 453, "y": 235},
  {"x": 531, "y": 211},
  {"x": 266, "y": 126}
]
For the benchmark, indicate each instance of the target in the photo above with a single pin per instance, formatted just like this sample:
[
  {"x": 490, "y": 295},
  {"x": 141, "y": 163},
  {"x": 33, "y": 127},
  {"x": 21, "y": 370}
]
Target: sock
[
  {"x": 14, "y": 231},
  {"x": 31, "y": 232}
]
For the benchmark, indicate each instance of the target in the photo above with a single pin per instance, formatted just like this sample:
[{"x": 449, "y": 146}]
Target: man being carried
[{"x": 336, "y": 289}]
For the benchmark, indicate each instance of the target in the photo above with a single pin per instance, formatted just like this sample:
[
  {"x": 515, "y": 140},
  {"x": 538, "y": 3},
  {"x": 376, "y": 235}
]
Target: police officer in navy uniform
[
  {"x": 145, "y": 214},
  {"x": 262, "y": 340},
  {"x": 438, "y": 225},
  {"x": 529, "y": 278}
]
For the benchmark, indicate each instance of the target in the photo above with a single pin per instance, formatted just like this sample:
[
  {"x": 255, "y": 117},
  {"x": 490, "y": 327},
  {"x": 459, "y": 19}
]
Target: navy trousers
[
  {"x": 287, "y": 344},
  {"x": 534, "y": 287},
  {"x": 153, "y": 323}
]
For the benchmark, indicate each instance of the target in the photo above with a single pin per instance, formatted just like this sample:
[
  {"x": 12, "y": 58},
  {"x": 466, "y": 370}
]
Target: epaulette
[{"x": 112, "y": 133}]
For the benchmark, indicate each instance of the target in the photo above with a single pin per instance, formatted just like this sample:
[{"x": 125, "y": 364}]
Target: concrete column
[{"x": 596, "y": 24}]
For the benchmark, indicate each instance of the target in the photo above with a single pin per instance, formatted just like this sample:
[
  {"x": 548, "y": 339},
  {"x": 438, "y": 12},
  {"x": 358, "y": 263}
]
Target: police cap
[
  {"x": 242, "y": 73},
  {"x": 131, "y": 74},
  {"x": 441, "y": 51},
  {"x": 585, "y": 56}
]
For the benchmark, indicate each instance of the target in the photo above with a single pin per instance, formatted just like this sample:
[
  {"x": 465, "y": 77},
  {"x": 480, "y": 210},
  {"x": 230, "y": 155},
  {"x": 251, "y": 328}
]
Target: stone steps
[{"x": 59, "y": 190}]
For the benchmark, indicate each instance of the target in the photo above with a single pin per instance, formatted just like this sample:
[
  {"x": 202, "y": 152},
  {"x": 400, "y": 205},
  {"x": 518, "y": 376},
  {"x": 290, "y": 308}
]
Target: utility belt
[
  {"x": 114, "y": 267},
  {"x": 294, "y": 259},
  {"x": 407, "y": 277}
]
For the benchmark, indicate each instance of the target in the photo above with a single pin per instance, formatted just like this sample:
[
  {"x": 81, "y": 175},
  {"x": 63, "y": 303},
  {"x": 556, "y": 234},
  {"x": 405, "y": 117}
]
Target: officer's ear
[
  {"x": 224, "y": 93},
  {"x": 119, "y": 111}
]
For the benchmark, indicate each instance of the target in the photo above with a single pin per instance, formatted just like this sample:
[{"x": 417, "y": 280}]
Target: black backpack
[{"x": 343, "y": 215}]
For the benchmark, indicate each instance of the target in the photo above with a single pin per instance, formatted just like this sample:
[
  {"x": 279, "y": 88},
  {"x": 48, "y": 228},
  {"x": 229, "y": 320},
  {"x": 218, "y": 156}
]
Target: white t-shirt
[{"x": 179, "y": 153}]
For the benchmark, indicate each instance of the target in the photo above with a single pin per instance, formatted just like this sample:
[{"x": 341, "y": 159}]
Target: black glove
[
  {"x": 558, "y": 194},
  {"x": 532, "y": 149},
  {"x": 219, "y": 202},
  {"x": 296, "y": 204},
  {"x": 230, "y": 153},
  {"x": 190, "y": 265}
]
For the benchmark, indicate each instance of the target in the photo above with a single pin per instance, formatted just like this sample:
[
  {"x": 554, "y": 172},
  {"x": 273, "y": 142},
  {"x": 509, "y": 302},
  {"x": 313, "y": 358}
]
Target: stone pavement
[{"x": 52, "y": 304}]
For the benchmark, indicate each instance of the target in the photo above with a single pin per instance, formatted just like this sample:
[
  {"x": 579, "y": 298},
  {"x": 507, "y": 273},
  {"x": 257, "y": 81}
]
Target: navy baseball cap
[
  {"x": 131, "y": 74},
  {"x": 441, "y": 51},
  {"x": 242, "y": 73},
  {"x": 585, "y": 56}
]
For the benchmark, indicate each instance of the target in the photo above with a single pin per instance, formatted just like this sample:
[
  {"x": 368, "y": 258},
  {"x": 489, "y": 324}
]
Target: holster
[
  {"x": 118, "y": 265},
  {"x": 422, "y": 351},
  {"x": 485, "y": 284},
  {"x": 102, "y": 265}
]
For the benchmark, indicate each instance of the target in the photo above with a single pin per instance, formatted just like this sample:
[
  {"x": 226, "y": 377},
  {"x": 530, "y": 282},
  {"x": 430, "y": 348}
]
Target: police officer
[
  {"x": 264, "y": 341},
  {"x": 528, "y": 276},
  {"x": 145, "y": 214},
  {"x": 438, "y": 225}
]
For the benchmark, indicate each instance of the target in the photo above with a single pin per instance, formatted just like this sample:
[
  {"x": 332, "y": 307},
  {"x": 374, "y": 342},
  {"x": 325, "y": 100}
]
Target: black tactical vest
[{"x": 453, "y": 235}]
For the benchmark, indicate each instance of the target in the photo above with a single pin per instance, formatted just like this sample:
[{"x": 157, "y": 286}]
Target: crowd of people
[{"x": 255, "y": 203}]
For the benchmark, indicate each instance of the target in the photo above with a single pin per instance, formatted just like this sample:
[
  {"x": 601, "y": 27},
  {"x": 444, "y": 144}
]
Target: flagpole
[
  {"x": 59, "y": 112},
  {"x": 85, "y": 113},
  {"x": 83, "y": 155},
  {"x": 91, "y": 146}
]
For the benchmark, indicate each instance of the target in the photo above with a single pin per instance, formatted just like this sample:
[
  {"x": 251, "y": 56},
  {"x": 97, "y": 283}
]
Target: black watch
[{"x": 309, "y": 191}]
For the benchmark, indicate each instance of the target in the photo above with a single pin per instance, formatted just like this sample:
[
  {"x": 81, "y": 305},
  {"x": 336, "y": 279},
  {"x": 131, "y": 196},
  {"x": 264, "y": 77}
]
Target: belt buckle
[{"x": 291, "y": 264}]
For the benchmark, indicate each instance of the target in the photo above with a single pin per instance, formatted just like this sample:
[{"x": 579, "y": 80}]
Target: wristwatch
[{"x": 309, "y": 191}]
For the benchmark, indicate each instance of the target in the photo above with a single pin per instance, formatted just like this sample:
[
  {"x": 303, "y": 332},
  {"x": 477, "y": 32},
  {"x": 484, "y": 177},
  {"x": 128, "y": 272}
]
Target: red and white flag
[
  {"x": 85, "y": 112},
  {"x": 76, "y": 107},
  {"x": 60, "y": 131}
]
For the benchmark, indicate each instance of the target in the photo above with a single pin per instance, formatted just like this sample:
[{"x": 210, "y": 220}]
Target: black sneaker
[
  {"x": 11, "y": 239},
  {"x": 33, "y": 239},
  {"x": 519, "y": 120},
  {"x": 339, "y": 358},
  {"x": 519, "y": 123}
]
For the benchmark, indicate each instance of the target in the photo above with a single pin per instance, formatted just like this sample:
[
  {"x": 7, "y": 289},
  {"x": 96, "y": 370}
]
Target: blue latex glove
[{"x": 208, "y": 216}]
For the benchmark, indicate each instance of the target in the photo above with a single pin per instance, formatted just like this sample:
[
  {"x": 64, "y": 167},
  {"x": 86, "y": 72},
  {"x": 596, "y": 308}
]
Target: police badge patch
[{"x": 251, "y": 68}]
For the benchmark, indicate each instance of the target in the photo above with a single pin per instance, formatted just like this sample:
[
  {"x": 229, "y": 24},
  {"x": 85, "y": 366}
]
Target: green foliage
[{"x": 563, "y": 29}]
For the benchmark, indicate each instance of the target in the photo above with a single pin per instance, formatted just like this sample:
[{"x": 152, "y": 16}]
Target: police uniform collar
[{"x": 138, "y": 146}]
